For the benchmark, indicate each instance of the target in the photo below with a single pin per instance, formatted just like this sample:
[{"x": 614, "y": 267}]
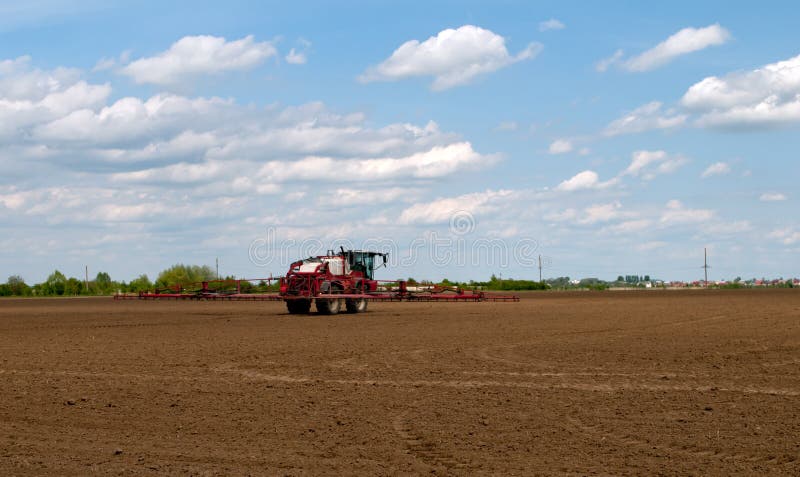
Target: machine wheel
[
  {"x": 297, "y": 307},
  {"x": 329, "y": 306},
  {"x": 356, "y": 305}
]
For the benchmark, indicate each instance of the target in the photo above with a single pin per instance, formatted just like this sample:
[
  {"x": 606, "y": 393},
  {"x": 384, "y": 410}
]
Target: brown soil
[{"x": 632, "y": 383}]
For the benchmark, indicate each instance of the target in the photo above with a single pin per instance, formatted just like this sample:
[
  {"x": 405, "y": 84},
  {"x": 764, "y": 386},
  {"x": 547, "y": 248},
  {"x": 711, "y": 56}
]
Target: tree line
[{"x": 58, "y": 284}]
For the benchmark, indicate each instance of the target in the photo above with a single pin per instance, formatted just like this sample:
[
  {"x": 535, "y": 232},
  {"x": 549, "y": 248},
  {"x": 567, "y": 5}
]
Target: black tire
[
  {"x": 298, "y": 307},
  {"x": 356, "y": 305},
  {"x": 329, "y": 306}
]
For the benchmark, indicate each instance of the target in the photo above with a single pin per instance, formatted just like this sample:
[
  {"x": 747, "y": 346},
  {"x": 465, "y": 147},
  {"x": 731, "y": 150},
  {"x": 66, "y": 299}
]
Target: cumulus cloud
[
  {"x": 584, "y": 180},
  {"x": 130, "y": 119},
  {"x": 352, "y": 196},
  {"x": 645, "y": 118},
  {"x": 452, "y": 58},
  {"x": 436, "y": 162},
  {"x": 20, "y": 81},
  {"x": 649, "y": 164},
  {"x": 199, "y": 55},
  {"x": 772, "y": 197},
  {"x": 593, "y": 214},
  {"x": 717, "y": 169},
  {"x": 560, "y": 146},
  {"x": 442, "y": 209},
  {"x": 786, "y": 236},
  {"x": 766, "y": 96},
  {"x": 30, "y": 96},
  {"x": 183, "y": 167},
  {"x": 687, "y": 40},
  {"x": 551, "y": 24},
  {"x": 676, "y": 213},
  {"x": 601, "y": 213}
]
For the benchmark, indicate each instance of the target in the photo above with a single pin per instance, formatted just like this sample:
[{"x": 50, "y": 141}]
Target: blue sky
[{"x": 611, "y": 138}]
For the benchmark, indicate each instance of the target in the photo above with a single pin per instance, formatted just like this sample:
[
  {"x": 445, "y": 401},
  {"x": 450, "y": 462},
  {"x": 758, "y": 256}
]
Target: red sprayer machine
[{"x": 335, "y": 282}]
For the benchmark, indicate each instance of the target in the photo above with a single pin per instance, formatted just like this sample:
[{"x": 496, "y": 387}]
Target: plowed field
[{"x": 675, "y": 383}]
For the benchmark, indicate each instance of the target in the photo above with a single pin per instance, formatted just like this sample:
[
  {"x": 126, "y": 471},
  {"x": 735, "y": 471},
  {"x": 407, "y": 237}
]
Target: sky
[{"x": 465, "y": 138}]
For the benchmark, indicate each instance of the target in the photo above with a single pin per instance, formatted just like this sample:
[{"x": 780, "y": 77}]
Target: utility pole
[
  {"x": 540, "y": 269},
  {"x": 217, "y": 268},
  {"x": 705, "y": 265},
  {"x": 86, "y": 279}
]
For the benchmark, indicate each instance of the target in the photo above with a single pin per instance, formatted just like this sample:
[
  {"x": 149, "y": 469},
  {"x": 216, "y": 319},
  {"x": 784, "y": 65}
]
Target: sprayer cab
[{"x": 364, "y": 262}]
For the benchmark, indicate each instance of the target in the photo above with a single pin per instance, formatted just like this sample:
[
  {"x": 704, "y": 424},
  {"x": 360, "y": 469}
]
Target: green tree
[
  {"x": 17, "y": 286},
  {"x": 102, "y": 283},
  {"x": 73, "y": 287},
  {"x": 140, "y": 284},
  {"x": 55, "y": 284},
  {"x": 184, "y": 274}
]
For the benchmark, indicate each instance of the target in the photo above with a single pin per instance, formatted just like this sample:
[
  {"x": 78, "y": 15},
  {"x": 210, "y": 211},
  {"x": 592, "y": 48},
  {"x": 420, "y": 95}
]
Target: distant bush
[{"x": 184, "y": 274}]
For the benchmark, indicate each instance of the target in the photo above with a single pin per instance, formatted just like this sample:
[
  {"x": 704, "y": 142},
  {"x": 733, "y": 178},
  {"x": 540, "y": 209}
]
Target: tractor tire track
[
  {"x": 422, "y": 449},
  {"x": 255, "y": 375},
  {"x": 599, "y": 433}
]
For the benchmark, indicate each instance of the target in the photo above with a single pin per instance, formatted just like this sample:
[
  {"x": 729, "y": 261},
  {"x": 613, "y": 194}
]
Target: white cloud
[
  {"x": 766, "y": 96},
  {"x": 30, "y": 96},
  {"x": 645, "y": 118},
  {"x": 20, "y": 81},
  {"x": 104, "y": 64},
  {"x": 452, "y": 57},
  {"x": 649, "y": 164},
  {"x": 560, "y": 146},
  {"x": 437, "y": 162},
  {"x": 296, "y": 57},
  {"x": 601, "y": 213},
  {"x": 13, "y": 200},
  {"x": 551, "y": 24},
  {"x": 584, "y": 180},
  {"x": 350, "y": 196},
  {"x": 685, "y": 41},
  {"x": 199, "y": 55},
  {"x": 130, "y": 119},
  {"x": 717, "y": 169},
  {"x": 442, "y": 210},
  {"x": 603, "y": 65},
  {"x": 676, "y": 213},
  {"x": 786, "y": 236},
  {"x": 299, "y": 56},
  {"x": 772, "y": 197}
]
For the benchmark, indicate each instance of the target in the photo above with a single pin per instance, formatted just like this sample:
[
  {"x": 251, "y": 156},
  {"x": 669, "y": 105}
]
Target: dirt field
[{"x": 581, "y": 383}]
